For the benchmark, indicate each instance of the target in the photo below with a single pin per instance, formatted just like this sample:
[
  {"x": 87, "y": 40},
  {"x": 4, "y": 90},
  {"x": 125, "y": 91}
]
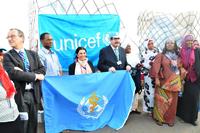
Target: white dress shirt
[{"x": 51, "y": 62}]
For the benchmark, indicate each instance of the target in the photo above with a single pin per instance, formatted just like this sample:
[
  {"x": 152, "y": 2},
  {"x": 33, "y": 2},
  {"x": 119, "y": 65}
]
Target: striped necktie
[
  {"x": 24, "y": 58},
  {"x": 116, "y": 51}
]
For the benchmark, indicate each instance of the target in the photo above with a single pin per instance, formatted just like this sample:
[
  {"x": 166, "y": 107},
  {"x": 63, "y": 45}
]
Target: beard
[{"x": 47, "y": 47}]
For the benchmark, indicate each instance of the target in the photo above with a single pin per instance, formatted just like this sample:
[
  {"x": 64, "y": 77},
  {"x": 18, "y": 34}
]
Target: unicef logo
[
  {"x": 106, "y": 38},
  {"x": 92, "y": 107}
]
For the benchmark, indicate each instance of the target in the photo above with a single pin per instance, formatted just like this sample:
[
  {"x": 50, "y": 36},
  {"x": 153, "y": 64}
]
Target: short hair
[
  {"x": 20, "y": 33},
  {"x": 43, "y": 35}
]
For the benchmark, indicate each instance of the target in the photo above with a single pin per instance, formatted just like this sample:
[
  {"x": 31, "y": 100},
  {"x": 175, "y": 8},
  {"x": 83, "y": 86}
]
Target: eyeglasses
[{"x": 12, "y": 36}]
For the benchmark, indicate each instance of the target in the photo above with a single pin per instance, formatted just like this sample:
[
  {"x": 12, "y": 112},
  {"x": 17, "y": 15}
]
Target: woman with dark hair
[
  {"x": 189, "y": 102},
  {"x": 196, "y": 44},
  {"x": 81, "y": 65},
  {"x": 166, "y": 72}
]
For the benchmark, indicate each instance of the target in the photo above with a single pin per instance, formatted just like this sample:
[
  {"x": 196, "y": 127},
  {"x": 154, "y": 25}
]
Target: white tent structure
[{"x": 23, "y": 14}]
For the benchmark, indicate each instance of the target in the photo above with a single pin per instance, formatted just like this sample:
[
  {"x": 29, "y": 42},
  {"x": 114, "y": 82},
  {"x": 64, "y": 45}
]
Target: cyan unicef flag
[
  {"x": 71, "y": 31},
  {"x": 87, "y": 102}
]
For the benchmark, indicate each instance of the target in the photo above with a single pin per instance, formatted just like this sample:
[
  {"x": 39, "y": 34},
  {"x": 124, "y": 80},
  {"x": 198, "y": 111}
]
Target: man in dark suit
[
  {"x": 113, "y": 57},
  {"x": 26, "y": 71}
]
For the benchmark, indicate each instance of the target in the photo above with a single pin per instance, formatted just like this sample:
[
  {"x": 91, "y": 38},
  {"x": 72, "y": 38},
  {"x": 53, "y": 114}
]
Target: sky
[
  {"x": 14, "y": 13},
  {"x": 129, "y": 12}
]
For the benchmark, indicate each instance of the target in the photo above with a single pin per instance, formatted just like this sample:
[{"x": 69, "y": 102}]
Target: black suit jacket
[
  {"x": 20, "y": 78},
  {"x": 73, "y": 65},
  {"x": 107, "y": 59},
  {"x": 197, "y": 62}
]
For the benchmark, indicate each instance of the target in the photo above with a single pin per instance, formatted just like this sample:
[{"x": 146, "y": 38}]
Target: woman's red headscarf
[{"x": 6, "y": 83}]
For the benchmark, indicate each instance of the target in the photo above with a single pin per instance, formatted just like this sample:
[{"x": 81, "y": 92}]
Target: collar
[
  {"x": 114, "y": 47},
  {"x": 46, "y": 51},
  {"x": 17, "y": 50}
]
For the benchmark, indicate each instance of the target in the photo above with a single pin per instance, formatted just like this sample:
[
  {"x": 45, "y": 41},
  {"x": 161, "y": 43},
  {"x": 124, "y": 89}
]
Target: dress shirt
[
  {"x": 51, "y": 62},
  {"x": 28, "y": 85},
  {"x": 116, "y": 51}
]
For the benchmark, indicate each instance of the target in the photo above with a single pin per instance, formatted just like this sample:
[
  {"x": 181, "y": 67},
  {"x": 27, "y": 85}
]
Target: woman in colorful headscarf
[
  {"x": 166, "y": 72},
  {"x": 148, "y": 57},
  {"x": 189, "y": 102}
]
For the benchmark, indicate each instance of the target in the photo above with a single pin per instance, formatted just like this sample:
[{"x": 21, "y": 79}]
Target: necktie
[
  {"x": 25, "y": 60},
  {"x": 116, "y": 53}
]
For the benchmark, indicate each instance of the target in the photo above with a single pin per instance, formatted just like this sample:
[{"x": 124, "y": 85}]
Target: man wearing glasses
[{"x": 26, "y": 71}]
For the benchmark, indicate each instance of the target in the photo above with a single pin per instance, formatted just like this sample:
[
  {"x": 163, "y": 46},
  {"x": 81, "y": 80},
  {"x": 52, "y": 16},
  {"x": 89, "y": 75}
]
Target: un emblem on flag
[
  {"x": 106, "y": 39},
  {"x": 92, "y": 106}
]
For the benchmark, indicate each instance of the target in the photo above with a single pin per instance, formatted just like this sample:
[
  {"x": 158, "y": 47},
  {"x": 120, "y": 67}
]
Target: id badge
[
  {"x": 119, "y": 62},
  {"x": 23, "y": 116}
]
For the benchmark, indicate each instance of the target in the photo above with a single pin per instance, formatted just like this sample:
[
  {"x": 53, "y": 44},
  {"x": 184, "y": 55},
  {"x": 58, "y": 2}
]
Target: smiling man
[
  {"x": 26, "y": 71},
  {"x": 48, "y": 57}
]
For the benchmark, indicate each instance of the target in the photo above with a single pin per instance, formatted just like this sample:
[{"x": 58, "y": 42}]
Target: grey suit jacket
[{"x": 20, "y": 78}]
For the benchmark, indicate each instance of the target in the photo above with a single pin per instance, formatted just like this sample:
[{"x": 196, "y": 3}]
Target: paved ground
[{"x": 144, "y": 124}]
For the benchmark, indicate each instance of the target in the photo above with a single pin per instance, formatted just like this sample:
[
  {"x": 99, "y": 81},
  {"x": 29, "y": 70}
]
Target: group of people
[
  {"x": 171, "y": 81},
  {"x": 163, "y": 75},
  {"x": 23, "y": 70}
]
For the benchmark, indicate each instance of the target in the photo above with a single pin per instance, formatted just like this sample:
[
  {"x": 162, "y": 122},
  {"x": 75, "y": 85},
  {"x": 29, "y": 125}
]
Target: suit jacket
[
  {"x": 107, "y": 59},
  {"x": 20, "y": 78},
  {"x": 73, "y": 65},
  {"x": 197, "y": 62}
]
